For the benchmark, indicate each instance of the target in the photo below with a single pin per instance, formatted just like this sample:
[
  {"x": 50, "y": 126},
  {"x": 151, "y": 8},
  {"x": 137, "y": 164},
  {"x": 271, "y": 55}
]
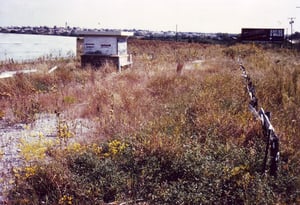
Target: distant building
[{"x": 263, "y": 34}]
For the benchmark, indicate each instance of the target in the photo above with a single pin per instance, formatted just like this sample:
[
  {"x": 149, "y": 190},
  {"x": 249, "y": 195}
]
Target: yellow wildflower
[
  {"x": 27, "y": 127},
  {"x": 30, "y": 171},
  {"x": 1, "y": 153},
  {"x": 96, "y": 149},
  {"x": 75, "y": 147},
  {"x": 63, "y": 130},
  {"x": 237, "y": 170},
  {"x": 65, "y": 199},
  {"x": 116, "y": 147}
]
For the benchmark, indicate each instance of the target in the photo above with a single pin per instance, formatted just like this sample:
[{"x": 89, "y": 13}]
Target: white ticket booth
[{"x": 102, "y": 47}]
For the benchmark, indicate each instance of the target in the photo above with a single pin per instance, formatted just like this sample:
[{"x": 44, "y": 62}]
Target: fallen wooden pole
[
  {"x": 272, "y": 147},
  {"x": 9, "y": 74},
  {"x": 52, "y": 69}
]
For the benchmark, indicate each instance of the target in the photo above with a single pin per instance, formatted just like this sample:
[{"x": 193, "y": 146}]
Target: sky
[{"x": 207, "y": 16}]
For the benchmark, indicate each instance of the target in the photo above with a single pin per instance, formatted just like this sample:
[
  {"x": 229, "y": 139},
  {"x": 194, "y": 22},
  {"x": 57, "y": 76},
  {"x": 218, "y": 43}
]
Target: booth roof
[{"x": 102, "y": 33}]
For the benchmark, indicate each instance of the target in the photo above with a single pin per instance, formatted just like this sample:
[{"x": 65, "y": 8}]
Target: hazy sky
[{"x": 190, "y": 15}]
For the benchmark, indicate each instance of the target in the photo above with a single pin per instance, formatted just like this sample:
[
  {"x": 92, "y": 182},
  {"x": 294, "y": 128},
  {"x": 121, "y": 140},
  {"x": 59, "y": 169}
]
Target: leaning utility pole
[
  {"x": 291, "y": 22},
  {"x": 176, "y": 35}
]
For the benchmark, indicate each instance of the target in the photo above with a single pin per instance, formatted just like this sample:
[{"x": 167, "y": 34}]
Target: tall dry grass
[{"x": 169, "y": 138}]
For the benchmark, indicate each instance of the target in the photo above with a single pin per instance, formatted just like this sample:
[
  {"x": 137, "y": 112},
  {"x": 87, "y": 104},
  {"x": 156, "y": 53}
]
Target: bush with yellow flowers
[{"x": 35, "y": 148}]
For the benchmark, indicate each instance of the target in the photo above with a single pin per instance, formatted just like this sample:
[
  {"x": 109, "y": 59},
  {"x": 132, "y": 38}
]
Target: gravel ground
[{"x": 10, "y": 136}]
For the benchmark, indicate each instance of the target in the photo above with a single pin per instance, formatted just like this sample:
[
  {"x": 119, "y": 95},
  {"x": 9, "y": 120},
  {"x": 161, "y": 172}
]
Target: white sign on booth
[{"x": 100, "y": 45}]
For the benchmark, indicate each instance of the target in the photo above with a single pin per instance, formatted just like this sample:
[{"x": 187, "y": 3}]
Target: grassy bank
[{"x": 162, "y": 137}]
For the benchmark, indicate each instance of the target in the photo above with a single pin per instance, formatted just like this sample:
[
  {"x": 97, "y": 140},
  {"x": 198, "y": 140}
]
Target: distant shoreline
[{"x": 142, "y": 34}]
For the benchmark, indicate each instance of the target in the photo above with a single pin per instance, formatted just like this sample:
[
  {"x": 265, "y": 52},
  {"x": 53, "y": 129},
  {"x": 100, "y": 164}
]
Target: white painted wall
[{"x": 122, "y": 46}]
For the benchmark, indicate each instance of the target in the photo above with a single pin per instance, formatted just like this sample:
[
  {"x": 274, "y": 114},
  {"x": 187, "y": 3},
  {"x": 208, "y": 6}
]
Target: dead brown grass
[{"x": 125, "y": 102}]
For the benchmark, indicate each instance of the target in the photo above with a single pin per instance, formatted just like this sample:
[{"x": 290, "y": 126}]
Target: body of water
[{"x": 24, "y": 47}]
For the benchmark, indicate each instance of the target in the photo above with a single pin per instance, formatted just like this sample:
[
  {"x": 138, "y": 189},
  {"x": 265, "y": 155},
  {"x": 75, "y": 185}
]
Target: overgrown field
[{"x": 162, "y": 137}]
